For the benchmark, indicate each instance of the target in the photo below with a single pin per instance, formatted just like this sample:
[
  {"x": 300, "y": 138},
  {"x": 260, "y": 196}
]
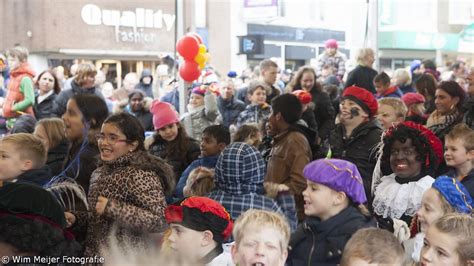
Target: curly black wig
[
  {"x": 37, "y": 237},
  {"x": 422, "y": 141}
]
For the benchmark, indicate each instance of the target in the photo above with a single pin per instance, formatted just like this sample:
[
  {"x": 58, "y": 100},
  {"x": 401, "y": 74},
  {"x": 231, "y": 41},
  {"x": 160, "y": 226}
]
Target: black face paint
[{"x": 354, "y": 112}]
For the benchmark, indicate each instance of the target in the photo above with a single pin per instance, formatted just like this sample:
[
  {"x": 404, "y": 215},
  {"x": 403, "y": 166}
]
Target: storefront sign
[{"x": 139, "y": 21}]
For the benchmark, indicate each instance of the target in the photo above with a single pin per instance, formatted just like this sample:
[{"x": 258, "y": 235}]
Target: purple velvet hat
[{"x": 339, "y": 175}]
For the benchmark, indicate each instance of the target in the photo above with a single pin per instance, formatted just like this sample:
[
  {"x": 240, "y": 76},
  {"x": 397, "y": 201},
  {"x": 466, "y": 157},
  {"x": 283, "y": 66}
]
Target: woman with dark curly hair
[
  {"x": 32, "y": 223},
  {"x": 449, "y": 99},
  {"x": 413, "y": 153}
]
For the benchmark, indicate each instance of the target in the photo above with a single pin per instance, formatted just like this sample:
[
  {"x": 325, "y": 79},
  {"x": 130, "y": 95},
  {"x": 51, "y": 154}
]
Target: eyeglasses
[{"x": 111, "y": 138}]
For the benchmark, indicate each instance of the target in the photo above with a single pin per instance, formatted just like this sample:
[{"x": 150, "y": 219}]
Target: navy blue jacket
[
  {"x": 230, "y": 110},
  {"x": 208, "y": 161}
]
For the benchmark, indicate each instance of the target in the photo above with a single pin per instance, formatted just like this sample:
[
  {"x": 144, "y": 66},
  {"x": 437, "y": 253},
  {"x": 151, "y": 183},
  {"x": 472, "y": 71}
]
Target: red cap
[
  {"x": 364, "y": 98},
  {"x": 304, "y": 96},
  {"x": 412, "y": 98}
]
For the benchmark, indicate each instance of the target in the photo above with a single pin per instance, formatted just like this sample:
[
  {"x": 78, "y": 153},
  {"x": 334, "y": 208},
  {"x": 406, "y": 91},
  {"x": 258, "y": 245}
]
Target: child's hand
[
  {"x": 283, "y": 187},
  {"x": 70, "y": 219},
  {"x": 101, "y": 204}
]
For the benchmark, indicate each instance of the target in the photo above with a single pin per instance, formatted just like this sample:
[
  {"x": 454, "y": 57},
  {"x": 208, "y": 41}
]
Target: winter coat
[
  {"x": 391, "y": 92},
  {"x": 144, "y": 116},
  {"x": 239, "y": 176},
  {"x": 229, "y": 110},
  {"x": 272, "y": 92},
  {"x": 134, "y": 186},
  {"x": 44, "y": 109},
  {"x": 310, "y": 120},
  {"x": 289, "y": 155},
  {"x": 468, "y": 109},
  {"x": 406, "y": 88},
  {"x": 147, "y": 89},
  {"x": 360, "y": 148},
  {"x": 60, "y": 103},
  {"x": 20, "y": 95},
  {"x": 56, "y": 157},
  {"x": 338, "y": 61},
  {"x": 254, "y": 114},
  {"x": 196, "y": 121},
  {"x": 363, "y": 77},
  {"x": 207, "y": 161},
  {"x": 467, "y": 181},
  {"x": 158, "y": 148},
  {"x": 317, "y": 242},
  {"x": 39, "y": 177}
]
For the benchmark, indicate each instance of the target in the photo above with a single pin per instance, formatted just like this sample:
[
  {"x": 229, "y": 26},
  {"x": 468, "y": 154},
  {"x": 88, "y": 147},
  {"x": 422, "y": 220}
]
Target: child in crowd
[
  {"x": 450, "y": 241},
  {"x": 250, "y": 134},
  {"x": 372, "y": 246},
  {"x": 23, "y": 157},
  {"x": 32, "y": 223},
  {"x": 21, "y": 94},
  {"x": 199, "y": 226},
  {"x": 291, "y": 148},
  {"x": 261, "y": 238},
  {"x": 51, "y": 133},
  {"x": 258, "y": 110},
  {"x": 383, "y": 88},
  {"x": 200, "y": 182},
  {"x": 214, "y": 140},
  {"x": 415, "y": 103},
  {"x": 240, "y": 172},
  {"x": 459, "y": 154},
  {"x": 391, "y": 112},
  {"x": 334, "y": 206},
  {"x": 202, "y": 111},
  {"x": 413, "y": 153},
  {"x": 445, "y": 196},
  {"x": 170, "y": 141},
  {"x": 356, "y": 136},
  {"x": 402, "y": 79}
]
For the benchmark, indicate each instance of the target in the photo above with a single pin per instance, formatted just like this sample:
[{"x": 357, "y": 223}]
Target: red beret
[
  {"x": 364, "y": 98},
  {"x": 412, "y": 98},
  {"x": 304, "y": 96}
]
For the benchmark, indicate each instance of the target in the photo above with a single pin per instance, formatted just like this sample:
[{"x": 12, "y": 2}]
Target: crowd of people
[{"x": 320, "y": 167}]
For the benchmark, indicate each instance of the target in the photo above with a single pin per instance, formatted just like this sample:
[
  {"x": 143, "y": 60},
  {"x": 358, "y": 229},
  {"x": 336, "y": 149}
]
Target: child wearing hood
[{"x": 202, "y": 110}]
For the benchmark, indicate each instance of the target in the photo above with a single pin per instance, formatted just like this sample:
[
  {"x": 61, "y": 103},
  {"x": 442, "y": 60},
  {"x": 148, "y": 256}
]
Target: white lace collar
[{"x": 392, "y": 199}]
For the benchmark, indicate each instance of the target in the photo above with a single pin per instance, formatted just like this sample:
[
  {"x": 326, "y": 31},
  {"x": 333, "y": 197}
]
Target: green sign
[{"x": 419, "y": 40}]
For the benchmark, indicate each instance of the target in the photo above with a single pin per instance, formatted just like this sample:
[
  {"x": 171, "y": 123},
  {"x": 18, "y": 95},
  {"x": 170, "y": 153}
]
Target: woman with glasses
[{"x": 127, "y": 192}]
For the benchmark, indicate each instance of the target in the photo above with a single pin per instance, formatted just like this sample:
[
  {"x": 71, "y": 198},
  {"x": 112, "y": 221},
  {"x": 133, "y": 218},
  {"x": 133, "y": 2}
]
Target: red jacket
[{"x": 14, "y": 95}]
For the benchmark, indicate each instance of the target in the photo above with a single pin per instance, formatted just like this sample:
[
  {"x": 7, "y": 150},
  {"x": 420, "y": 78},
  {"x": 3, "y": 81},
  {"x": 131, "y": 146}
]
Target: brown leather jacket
[{"x": 290, "y": 154}]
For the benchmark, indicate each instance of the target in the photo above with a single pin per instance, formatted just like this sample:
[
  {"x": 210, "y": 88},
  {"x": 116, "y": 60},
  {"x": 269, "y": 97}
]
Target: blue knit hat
[
  {"x": 454, "y": 193},
  {"x": 415, "y": 64},
  {"x": 339, "y": 175}
]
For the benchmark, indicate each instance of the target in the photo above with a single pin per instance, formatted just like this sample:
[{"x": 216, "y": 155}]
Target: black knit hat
[{"x": 201, "y": 214}]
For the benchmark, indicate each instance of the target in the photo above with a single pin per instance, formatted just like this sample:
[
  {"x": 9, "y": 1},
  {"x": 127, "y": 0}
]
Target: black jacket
[
  {"x": 317, "y": 242},
  {"x": 56, "y": 157},
  {"x": 59, "y": 105},
  {"x": 359, "y": 148},
  {"x": 323, "y": 112},
  {"x": 229, "y": 110},
  {"x": 158, "y": 148},
  {"x": 468, "y": 109},
  {"x": 467, "y": 181},
  {"x": 45, "y": 108},
  {"x": 81, "y": 168},
  {"x": 362, "y": 77},
  {"x": 39, "y": 177}
]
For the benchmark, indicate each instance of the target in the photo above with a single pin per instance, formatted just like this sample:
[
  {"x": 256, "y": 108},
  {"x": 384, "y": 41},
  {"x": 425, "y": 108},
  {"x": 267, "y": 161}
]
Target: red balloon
[
  {"x": 189, "y": 71},
  {"x": 195, "y": 35},
  {"x": 188, "y": 47}
]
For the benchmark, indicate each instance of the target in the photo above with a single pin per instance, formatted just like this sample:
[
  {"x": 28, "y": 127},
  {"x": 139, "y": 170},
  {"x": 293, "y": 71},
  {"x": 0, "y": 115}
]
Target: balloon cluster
[{"x": 195, "y": 55}]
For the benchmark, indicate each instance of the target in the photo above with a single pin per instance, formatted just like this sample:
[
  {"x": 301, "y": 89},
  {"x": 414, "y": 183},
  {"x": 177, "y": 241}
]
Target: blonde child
[
  {"x": 391, "y": 111},
  {"x": 200, "y": 182},
  {"x": 450, "y": 241},
  {"x": 372, "y": 246},
  {"x": 459, "y": 154},
  {"x": 445, "y": 196},
  {"x": 415, "y": 103},
  {"x": 333, "y": 205},
  {"x": 20, "y": 95},
  {"x": 23, "y": 157},
  {"x": 250, "y": 134},
  {"x": 260, "y": 237}
]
